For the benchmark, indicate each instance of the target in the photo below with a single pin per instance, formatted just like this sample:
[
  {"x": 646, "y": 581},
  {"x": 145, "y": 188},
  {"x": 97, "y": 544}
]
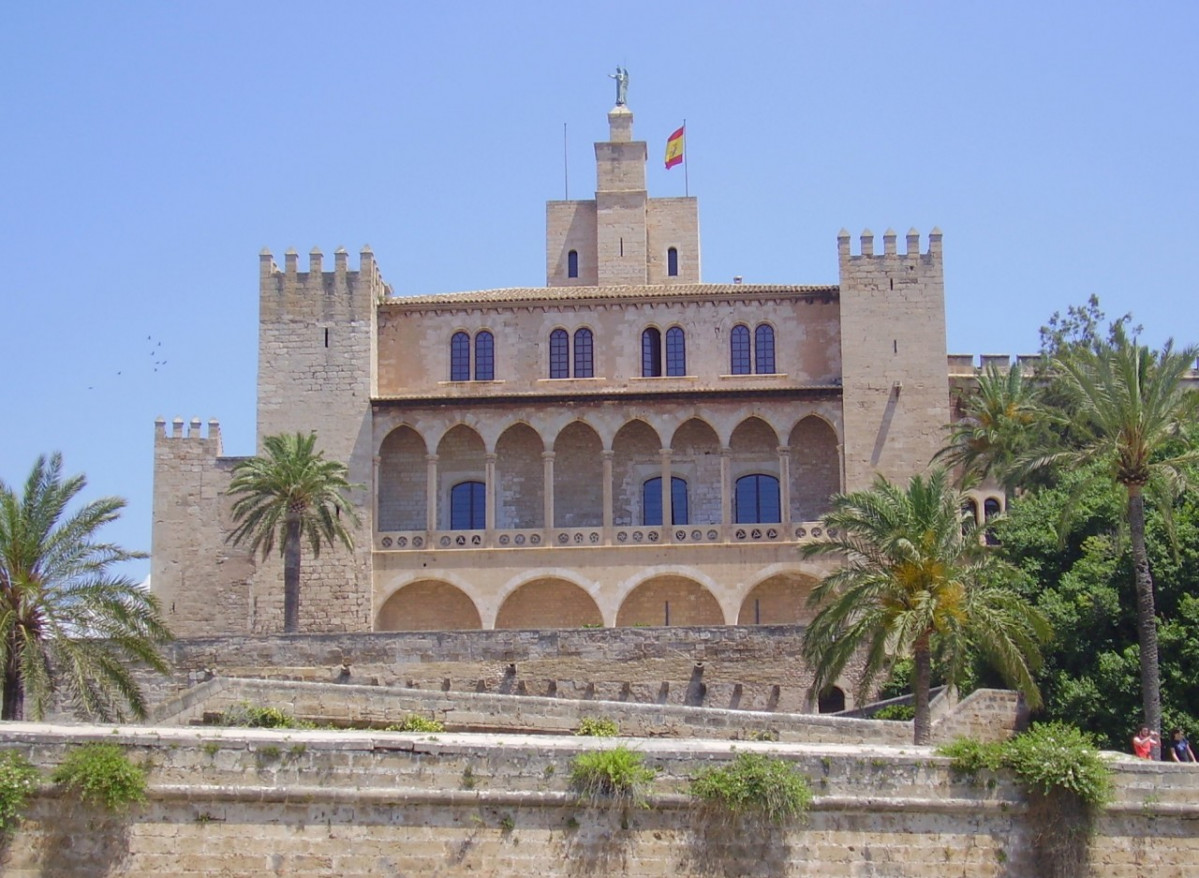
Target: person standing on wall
[{"x": 1180, "y": 747}]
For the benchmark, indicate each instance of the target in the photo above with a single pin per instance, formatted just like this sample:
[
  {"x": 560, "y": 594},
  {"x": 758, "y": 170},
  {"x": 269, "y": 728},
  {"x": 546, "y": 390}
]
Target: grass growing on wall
[
  {"x": 754, "y": 786},
  {"x": 102, "y": 774},
  {"x": 616, "y": 775}
]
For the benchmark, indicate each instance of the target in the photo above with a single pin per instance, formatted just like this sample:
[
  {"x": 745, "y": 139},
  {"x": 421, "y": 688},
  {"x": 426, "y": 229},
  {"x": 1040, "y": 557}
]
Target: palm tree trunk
[
  {"x": 1146, "y": 614},
  {"x": 291, "y": 574},
  {"x": 14, "y": 693},
  {"x": 922, "y": 658}
]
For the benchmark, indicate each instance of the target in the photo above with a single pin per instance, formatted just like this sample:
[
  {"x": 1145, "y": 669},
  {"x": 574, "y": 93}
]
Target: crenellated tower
[
  {"x": 316, "y": 354},
  {"x": 622, "y": 237},
  {"x": 895, "y": 387}
]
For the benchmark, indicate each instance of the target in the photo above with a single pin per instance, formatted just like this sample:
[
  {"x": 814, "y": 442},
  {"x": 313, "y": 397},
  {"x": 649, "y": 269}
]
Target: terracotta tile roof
[{"x": 591, "y": 294}]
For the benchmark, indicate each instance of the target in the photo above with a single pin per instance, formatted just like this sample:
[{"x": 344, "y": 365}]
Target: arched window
[
  {"x": 969, "y": 513},
  {"x": 991, "y": 509},
  {"x": 651, "y": 501},
  {"x": 830, "y": 700},
  {"x": 584, "y": 367},
  {"x": 484, "y": 356},
  {"x": 676, "y": 351},
  {"x": 460, "y": 357},
  {"x": 758, "y": 499},
  {"x": 572, "y": 263},
  {"x": 651, "y": 353},
  {"x": 468, "y": 502},
  {"x": 739, "y": 350},
  {"x": 672, "y": 262},
  {"x": 764, "y": 349},
  {"x": 559, "y": 354}
]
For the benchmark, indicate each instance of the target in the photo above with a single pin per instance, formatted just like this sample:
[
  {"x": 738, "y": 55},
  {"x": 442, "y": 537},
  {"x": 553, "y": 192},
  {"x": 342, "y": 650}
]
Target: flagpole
[
  {"x": 565, "y": 167},
  {"x": 686, "y": 161}
]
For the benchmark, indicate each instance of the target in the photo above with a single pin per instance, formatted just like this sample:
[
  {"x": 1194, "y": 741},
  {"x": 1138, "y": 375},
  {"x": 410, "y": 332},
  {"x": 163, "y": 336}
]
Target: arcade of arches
[{"x": 576, "y": 478}]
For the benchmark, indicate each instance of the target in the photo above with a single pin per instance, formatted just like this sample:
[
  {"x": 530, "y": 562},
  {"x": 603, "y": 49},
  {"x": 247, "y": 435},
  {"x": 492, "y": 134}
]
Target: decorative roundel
[
  {"x": 476, "y": 540},
  {"x": 387, "y": 542},
  {"x": 637, "y": 536},
  {"x": 403, "y": 541},
  {"x": 520, "y": 539},
  {"x": 712, "y": 534},
  {"x": 696, "y": 535},
  {"x": 772, "y": 534},
  {"x": 740, "y": 534},
  {"x": 832, "y": 532},
  {"x": 680, "y": 535},
  {"x": 504, "y": 539},
  {"x": 653, "y": 536},
  {"x": 815, "y": 531},
  {"x": 564, "y": 538},
  {"x": 622, "y": 537},
  {"x": 756, "y": 534},
  {"x": 535, "y": 540},
  {"x": 579, "y": 539},
  {"x": 460, "y": 540},
  {"x": 594, "y": 537},
  {"x": 801, "y": 532},
  {"x": 417, "y": 542},
  {"x": 445, "y": 542}
]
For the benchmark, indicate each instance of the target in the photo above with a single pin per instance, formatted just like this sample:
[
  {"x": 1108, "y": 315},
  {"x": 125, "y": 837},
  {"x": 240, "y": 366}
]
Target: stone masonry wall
[{"x": 306, "y": 803}]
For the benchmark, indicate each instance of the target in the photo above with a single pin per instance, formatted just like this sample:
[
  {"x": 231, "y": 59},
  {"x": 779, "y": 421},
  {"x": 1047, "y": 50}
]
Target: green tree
[
  {"x": 999, "y": 423},
  {"x": 916, "y": 583},
  {"x": 1128, "y": 410},
  {"x": 291, "y": 493},
  {"x": 68, "y": 624}
]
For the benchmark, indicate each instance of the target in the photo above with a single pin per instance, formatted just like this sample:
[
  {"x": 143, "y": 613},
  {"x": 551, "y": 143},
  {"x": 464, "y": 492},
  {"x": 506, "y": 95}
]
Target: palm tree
[
  {"x": 1128, "y": 409},
  {"x": 997, "y": 427},
  {"x": 916, "y": 583},
  {"x": 291, "y": 491},
  {"x": 68, "y": 625}
]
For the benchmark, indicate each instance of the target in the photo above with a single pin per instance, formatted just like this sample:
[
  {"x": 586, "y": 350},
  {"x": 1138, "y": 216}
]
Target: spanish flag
[{"x": 674, "y": 149}]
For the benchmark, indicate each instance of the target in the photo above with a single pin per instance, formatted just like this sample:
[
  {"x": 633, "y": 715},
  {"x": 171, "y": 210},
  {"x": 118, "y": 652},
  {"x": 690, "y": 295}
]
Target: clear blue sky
[{"x": 150, "y": 150}]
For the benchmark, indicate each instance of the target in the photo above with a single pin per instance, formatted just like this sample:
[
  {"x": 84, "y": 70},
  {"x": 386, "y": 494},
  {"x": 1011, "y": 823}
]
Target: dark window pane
[
  {"x": 757, "y": 499},
  {"x": 584, "y": 367},
  {"x": 460, "y": 357},
  {"x": 676, "y": 352},
  {"x": 484, "y": 356},
  {"x": 672, "y": 262},
  {"x": 559, "y": 354},
  {"x": 468, "y": 506},
  {"x": 651, "y": 353},
  {"x": 739, "y": 350},
  {"x": 572, "y": 263},
  {"x": 651, "y": 502},
  {"x": 678, "y": 501},
  {"x": 764, "y": 349}
]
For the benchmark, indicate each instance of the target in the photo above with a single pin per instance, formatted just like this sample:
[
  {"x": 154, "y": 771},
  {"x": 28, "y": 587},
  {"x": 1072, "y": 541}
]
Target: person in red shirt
[{"x": 1143, "y": 743}]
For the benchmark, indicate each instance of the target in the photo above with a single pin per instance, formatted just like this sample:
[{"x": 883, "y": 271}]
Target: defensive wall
[
  {"x": 301, "y": 803},
  {"x": 746, "y": 667}
]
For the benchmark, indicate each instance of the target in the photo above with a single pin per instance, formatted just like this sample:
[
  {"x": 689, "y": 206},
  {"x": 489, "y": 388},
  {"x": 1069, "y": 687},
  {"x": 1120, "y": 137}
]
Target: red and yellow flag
[{"x": 674, "y": 149}]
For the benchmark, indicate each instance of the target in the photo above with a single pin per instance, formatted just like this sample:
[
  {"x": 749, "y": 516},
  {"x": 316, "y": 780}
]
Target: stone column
[
  {"x": 726, "y": 485},
  {"x": 608, "y": 457},
  {"x": 784, "y": 485},
  {"x": 431, "y": 494},
  {"x": 547, "y": 458},
  {"x": 373, "y": 491},
  {"x": 489, "y": 491},
  {"x": 667, "y": 494}
]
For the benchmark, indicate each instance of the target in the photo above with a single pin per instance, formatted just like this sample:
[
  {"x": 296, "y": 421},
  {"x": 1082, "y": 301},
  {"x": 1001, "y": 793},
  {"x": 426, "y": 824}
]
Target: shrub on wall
[
  {"x": 598, "y": 727},
  {"x": 252, "y": 716},
  {"x": 102, "y": 774},
  {"x": 756, "y": 786},
  {"x": 619, "y": 775},
  {"x": 18, "y": 781},
  {"x": 414, "y": 723}
]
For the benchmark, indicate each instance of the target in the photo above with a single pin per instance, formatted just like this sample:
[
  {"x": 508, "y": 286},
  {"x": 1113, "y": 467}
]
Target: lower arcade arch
[
  {"x": 779, "y": 600},
  {"x": 428, "y": 605},
  {"x": 669, "y": 600},
  {"x": 549, "y": 603}
]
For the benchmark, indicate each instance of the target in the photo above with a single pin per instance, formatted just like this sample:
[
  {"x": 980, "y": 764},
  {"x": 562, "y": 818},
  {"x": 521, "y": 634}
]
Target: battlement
[
  {"x": 866, "y": 245},
  {"x": 969, "y": 364},
  {"x": 341, "y": 269},
  {"x": 193, "y": 433}
]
